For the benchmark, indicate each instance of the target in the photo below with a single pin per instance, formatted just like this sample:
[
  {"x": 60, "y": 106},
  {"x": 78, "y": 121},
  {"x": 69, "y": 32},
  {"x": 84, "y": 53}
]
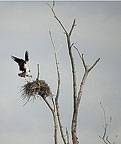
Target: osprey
[{"x": 22, "y": 64}]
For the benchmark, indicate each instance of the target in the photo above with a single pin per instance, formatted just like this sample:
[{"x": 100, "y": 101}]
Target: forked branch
[
  {"x": 105, "y": 137},
  {"x": 87, "y": 70},
  {"x": 83, "y": 61}
]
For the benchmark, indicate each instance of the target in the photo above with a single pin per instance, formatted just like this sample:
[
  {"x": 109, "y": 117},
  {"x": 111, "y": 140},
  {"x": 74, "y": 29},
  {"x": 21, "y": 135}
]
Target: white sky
[{"x": 25, "y": 26}]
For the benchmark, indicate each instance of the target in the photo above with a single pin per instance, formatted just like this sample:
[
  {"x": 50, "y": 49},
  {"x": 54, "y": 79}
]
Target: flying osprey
[{"x": 22, "y": 64}]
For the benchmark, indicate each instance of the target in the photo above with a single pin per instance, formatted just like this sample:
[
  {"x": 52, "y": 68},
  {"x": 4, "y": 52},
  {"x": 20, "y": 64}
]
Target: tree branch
[
  {"x": 67, "y": 134},
  {"x": 75, "y": 109},
  {"x": 81, "y": 87},
  {"x": 58, "y": 91},
  {"x": 105, "y": 136},
  {"x": 87, "y": 70},
  {"x": 54, "y": 118},
  {"x": 94, "y": 64},
  {"x": 105, "y": 127},
  {"x": 38, "y": 72},
  {"x": 83, "y": 61},
  {"x": 82, "y": 58},
  {"x": 72, "y": 27},
  {"x": 52, "y": 9}
]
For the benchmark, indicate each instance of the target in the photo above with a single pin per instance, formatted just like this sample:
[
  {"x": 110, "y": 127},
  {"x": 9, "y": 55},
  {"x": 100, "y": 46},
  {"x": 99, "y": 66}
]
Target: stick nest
[{"x": 35, "y": 89}]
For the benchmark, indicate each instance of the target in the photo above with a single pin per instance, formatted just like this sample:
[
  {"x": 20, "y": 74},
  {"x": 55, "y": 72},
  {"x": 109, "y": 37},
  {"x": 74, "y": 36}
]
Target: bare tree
[{"x": 38, "y": 87}]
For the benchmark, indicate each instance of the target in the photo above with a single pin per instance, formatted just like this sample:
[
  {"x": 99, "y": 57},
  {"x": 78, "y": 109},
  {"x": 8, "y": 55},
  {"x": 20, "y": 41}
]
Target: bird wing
[
  {"x": 26, "y": 56},
  {"x": 18, "y": 60}
]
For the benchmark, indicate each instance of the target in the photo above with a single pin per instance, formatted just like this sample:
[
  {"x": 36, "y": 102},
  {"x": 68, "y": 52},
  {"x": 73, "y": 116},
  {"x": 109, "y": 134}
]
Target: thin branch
[
  {"x": 81, "y": 87},
  {"x": 103, "y": 140},
  {"x": 82, "y": 58},
  {"x": 83, "y": 61},
  {"x": 52, "y": 9},
  {"x": 54, "y": 118},
  {"x": 78, "y": 52},
  {"x": 94, "y": 64},
  {"x": 105, "y": 136},
  {"x": 105, "y": 121},
  {"x": 71, "y": 45},
  {"x": 67, "y": 134},
  {"x": 73, "y": 76},
  {"x": 72, "y": 27},
  {"x": 58, "y": 91},
  {"x": 53, "y": 4},
  {"x": 53, "y": 103},
  {"x": 38, "y": 72},
  {"x": 48, "y": 104},
  {"x": 26, "y": 101}
]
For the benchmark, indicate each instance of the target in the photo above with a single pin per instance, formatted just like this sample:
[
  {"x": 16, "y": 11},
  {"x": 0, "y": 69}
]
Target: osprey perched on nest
[{"x": 22, "y": 65}]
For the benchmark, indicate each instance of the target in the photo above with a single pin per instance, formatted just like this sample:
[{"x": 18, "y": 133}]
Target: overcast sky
[{"x": 25, "y": 26}]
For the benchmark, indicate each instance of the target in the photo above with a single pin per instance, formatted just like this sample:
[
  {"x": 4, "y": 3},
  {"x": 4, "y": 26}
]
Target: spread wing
[
  {"x": 26, "y": 56},
  {"x": 18, "y": 60}
]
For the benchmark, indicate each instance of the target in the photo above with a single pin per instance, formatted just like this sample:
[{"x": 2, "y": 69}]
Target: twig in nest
[{"x": 38, "y": 72}]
